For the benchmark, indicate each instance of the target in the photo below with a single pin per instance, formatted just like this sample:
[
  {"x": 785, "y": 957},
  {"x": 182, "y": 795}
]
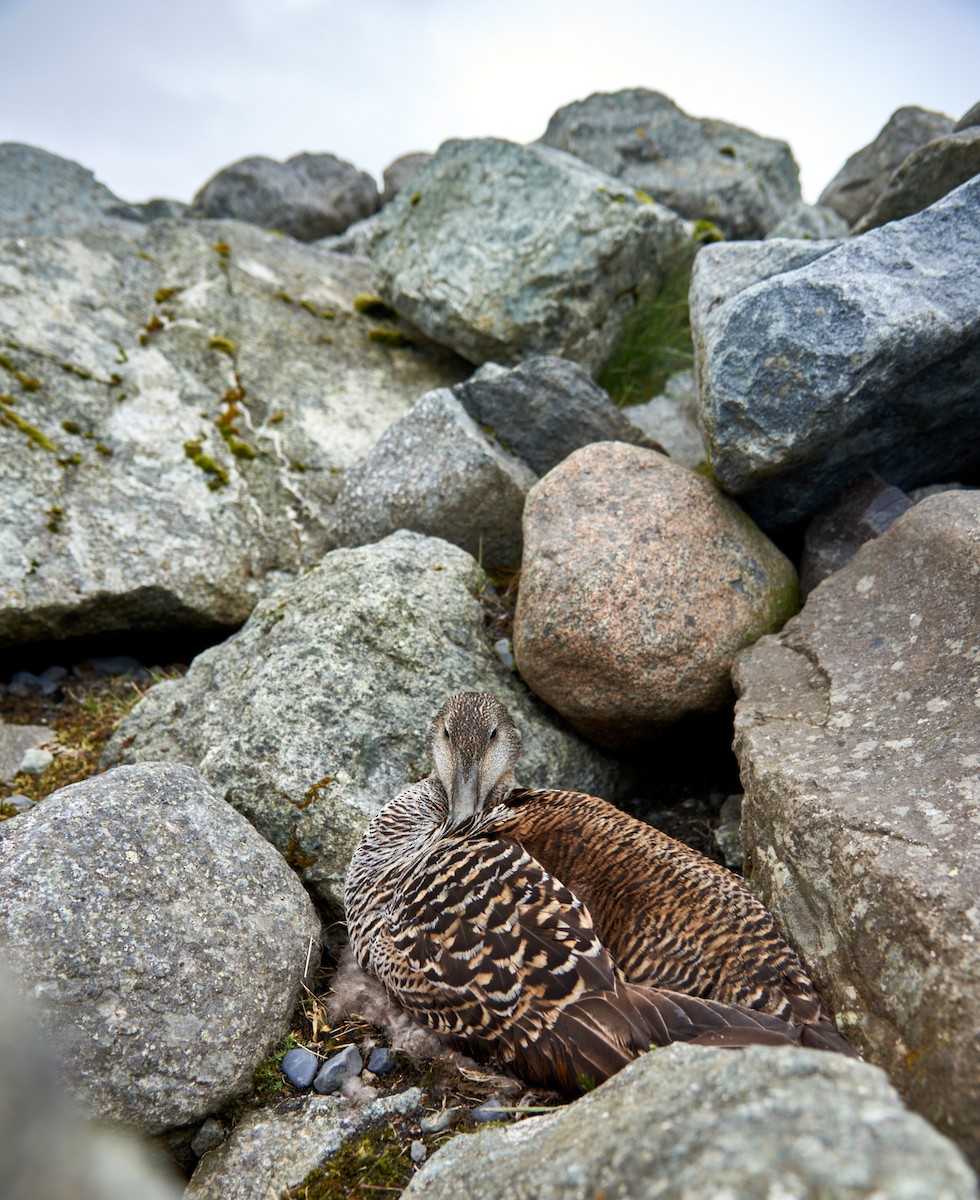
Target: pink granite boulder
[{"x": 640, "y": 582}]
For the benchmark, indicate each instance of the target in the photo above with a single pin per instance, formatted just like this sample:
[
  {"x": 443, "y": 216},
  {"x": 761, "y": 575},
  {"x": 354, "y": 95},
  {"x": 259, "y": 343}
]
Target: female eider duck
[{"x": 552, "y": 933}]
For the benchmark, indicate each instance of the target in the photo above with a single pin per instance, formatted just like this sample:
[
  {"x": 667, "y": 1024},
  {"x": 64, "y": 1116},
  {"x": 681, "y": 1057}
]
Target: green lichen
[
  {"x": 377, "y": 1161},
  {"x": 285, "y": 297},
  {"x": 275, "y": 417},
  {"x": 239, "y": 448},
  {"x": 104, "y": 450},
  {"x": 55, "y": 514},
  {"x": 81, "y": 372},
  {"x": 373, "y": 306},
  {"x": 71, "y": 427},
  {"x": 26, "y": 428},
  {"x": 642, "y": 196},
  {"x": 222, "y": 249},
  {"x": 71, "y": 461},
  {"x": 204, "y": 462},
  {"x": 310, "y": 307},
  {"x": 392, "y": 338},
  {"x": 415, "y": 198},
  {"x": 223, "y": 345},
  {"x": 161, "y": 295},
  {"x": 27, "y": 382},
  {"x": 328, "y": 314}
]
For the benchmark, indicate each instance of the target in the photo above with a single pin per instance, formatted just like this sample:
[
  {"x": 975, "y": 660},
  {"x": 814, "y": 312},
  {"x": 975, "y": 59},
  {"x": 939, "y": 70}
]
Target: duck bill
[{"x": 464, "y": 796}]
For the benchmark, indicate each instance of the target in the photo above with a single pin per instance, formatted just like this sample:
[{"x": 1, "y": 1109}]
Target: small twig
[{"x": 309, "y": 955}]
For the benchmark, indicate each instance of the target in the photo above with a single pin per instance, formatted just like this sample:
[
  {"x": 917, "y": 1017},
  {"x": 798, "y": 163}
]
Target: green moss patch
[
  {"x": 373, "y": 306},
  {"x": 204, "y": 462},
  {"x": 394, "y": 339}
]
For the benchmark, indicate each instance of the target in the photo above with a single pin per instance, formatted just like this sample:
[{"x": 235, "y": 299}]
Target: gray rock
[
  {"x": 117, "y": 440},
  {"x": 690, "y": 1122},
  {"x": 161, "y": 938},
  {"x": 491, "y": 1110},
  {"x": 333, "y": 682},
  {"x": 417, "y": 1151},
  {"x": 160, "y": 209},
  {"x": 856, "y": 733},
  {"x": 440, "y": 1121},
  {"x": 400, "y": 173},
  {"x": 277, "y": 1148},
  {"x": 927, "y": 175},
  {"x": 969, "y": 119},
  {"x": 728, "y": 835},
  {"x": 833, "y": 537},
  {"x": 14, "y": 741},
  {"x": 435, "y": 472},
  {"x": 338, "y": 1069},
  {"x": 381, "y": 1060},
  {"x": 671, "y": 420},
  {"x": 810, "y": 221},
  {"x": 308, "y": 196},
  {"x": 44, "y": 195},
  {"x": 208, "y": 1137},
  {"x": 480, "y": 256},
  {"x": 357, "y": 240},
  {"x": 35, "y": 761},
  {"x": 701, "y": 168},
  {"x": 863, "y": 177},
  {"x": 24, "y": 684},
  {"x": 300, "y": 1066},
  {"x": 851, "y": 363},
  {"x": 544, "y": 409},
  {"x": 16, "y": 804}
]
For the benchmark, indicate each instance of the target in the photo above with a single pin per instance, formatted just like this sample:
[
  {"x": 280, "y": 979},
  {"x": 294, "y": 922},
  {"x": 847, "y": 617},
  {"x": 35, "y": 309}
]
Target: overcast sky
[{"x": 157, "y": 97}]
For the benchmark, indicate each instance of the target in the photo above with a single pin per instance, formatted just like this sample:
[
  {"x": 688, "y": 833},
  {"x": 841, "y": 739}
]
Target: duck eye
[
  {"x": 493, "y": 734},
  {"x": 445, "y": 730}
]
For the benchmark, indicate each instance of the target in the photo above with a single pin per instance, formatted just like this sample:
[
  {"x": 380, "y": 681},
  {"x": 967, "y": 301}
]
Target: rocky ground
[{"x": 612, "y": 425}]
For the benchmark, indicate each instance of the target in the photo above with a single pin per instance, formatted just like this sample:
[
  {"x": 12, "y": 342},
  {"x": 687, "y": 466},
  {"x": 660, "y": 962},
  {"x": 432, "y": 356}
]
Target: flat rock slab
[
  {"x": 503, "y": 252},
  {"x": 820, "y": 371},
  {"x": 162, "y": 939},
  {"x": 690, "y": 1122},
  {"x": 701, "y": 168},
  {"x": 639, "y": 583},
  {"x": 277, "y": 1148},
  {"x": 176, "y": 404},
  {"x": 314, "y": 715},
  {"x": 856, "y": 732}
]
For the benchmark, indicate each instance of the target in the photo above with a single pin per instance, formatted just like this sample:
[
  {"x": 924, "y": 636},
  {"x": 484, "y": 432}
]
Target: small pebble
[
  {"x": 54, "y": 674},
  {"x": 300, "y": 1066},
  {"x": 211, "y": 1134},
  {"x": 381, "y": 1061},
  {"x": 116, "y": 664},
  {"x": 334, "y": 1071},
  {"x": 35, "y": 761},
  {"x": 23, "y": 684},
  {"x": 417, "y": 1152},
  {"x": 504, "y": 653},
  {"x": 437, "y": 1122},
  {"x": 491, "y": 1111},
  {"x": 18, "y": 803}
]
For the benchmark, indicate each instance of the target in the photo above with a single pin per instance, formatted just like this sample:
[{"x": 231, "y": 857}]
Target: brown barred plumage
[{"x": 552, "y": 932}]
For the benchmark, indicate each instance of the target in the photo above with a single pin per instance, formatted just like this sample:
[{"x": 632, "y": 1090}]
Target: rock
[
  {"x": 862, "y": 179},
  {"x": 398, "y": 174},
  {"x": 762, "y": 1122},
  {"x": 208, "y": 1137},
  {"x": 338, "y": 1069},
  {"x": 481, "y": 253},
  {"x": 14, "y": 741},
  {"x": 810, "y": 221},
  {"x": 440, "y": 1121},
  {"x": 672, "y": 420},
  {"x": 727, "y": 833},
  {"x": 357, "y": 240},
  {"x": 417, "y": 1151},
  {"x": 852, "y": 362},
  {"x": 969, "y": 120},
  {"x": 491, "y": 1110},
  {"x": 381, "y": 1060},
  {"x": 161, "y": 938},
  {"x": 308, "y": 196},
  {"x": 504, "y": 651},
  {"x": 435, "y": 472},
  {"x": 16, "y": 804},
  {"x": 55, "y": 674},
  {"x": 275, "y": 1149},
  {"x": 42, "y": 195},
  {"x": 345, "y": 668},
  {"x": 35, "y": 761},
  {"x": 639, "y": 583},
  {"x": 544, "y": 409},
  {"x": 115, "y": 664},
  {"x": 833, "y": 537},
  {"x": 24, "y": 684},
  {"x": 162, "y": 209},
  {"x": 300, "y": 1066},
  {"x": 928, "y": 174},
  {"x": 701, "y": 168},
  {"x": 856, "y": 735},
  {"x": 157, "y": 471}
]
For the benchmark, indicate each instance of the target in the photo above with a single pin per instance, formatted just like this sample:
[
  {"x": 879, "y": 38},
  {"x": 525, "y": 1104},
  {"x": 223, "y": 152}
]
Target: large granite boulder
[
  {"x": 814, "y": 372},
  {"x": 309, "y": 196},
  {"x": 639, "y": 583},
  {"x": 47, "y": 196},
  {"x": 690, "y": 1122},
  {"x": 314, "y": 715},
  {"x": 163, "y": 941},
  {"x": 702, "y": 168},
  {"x": 857, "y": 737},
  {"x": 862, "y": 179},
  {"x": 435, "y": 471},
  {"x": 504, "y": 252},
  {"x": 176, "y": 402},
  {"x": 927, "y": 175}
]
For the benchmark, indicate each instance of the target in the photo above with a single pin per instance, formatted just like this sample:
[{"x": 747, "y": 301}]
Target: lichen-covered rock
[
  {"x": 811, "y": 221},
  {"x": 970, "y": 118},
  {"x": 44, "y": 195},
  {"x": 856, "y": 733},
  {"x": 640, "y": 581},
  {"x": 544, "y": 409},
  {"x": 847, "y": 363},
  {"x": 690, "y": 1122},
  {"x": 436, "y": 472},
  {"x": 162, "y": 938},
  {"x": 176, "y": 401},
  {"x": 277, "y": 1148},
  {"x": 309, "y": 196},
  {"x": 928, "y": 174},
  {"x": 504, "y": 252},
  {"x": 400, "y": 173},
  {"x": 671, "y": 420},
  {"x": 862, "y": 179},
  {"x": 314, "y": 715},
  {"x": 701, "y": 168}
]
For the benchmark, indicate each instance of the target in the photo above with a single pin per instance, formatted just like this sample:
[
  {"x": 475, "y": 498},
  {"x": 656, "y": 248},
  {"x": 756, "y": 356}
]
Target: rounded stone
[
  {"x": 640, "y": 582},
  {"x": 300, "y": 1066}
]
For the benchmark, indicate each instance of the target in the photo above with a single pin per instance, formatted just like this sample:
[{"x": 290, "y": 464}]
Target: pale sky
[{"x": 157, "y": 97}]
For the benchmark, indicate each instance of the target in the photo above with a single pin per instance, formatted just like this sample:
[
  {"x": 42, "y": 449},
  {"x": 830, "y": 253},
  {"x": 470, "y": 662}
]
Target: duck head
[{"x": 474, "y": 746}]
